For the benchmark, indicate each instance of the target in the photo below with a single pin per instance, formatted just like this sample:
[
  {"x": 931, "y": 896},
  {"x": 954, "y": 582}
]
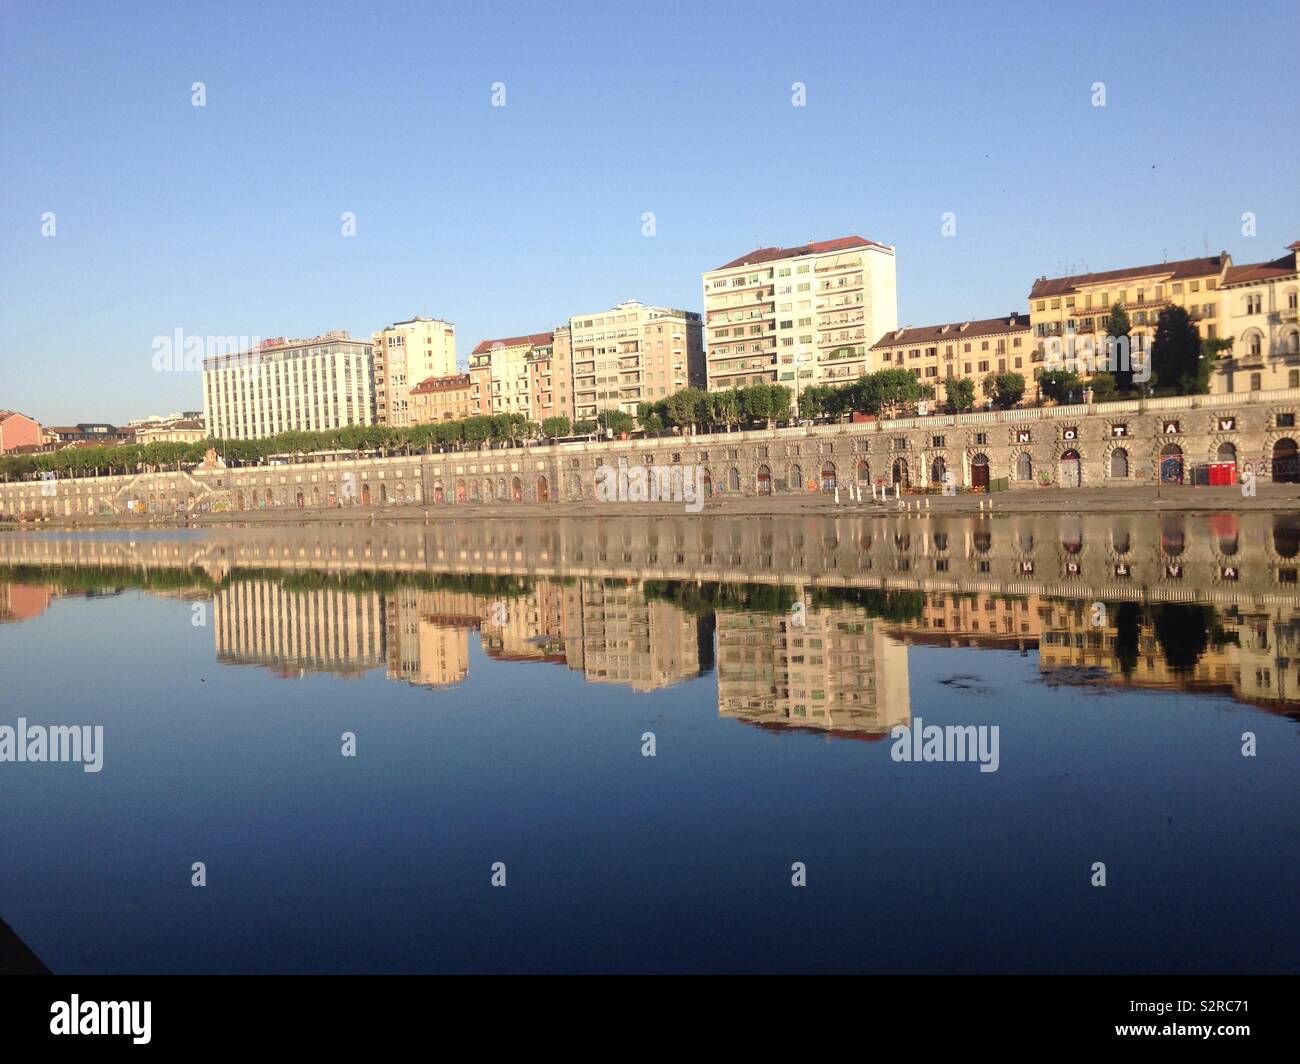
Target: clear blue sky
[{"x": 225, "y": 220}]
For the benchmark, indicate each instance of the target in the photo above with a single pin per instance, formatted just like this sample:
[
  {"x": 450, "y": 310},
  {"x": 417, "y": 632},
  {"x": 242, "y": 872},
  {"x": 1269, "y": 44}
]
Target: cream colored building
[
  {"x": 1258, "y": 309},
  {"x": 551, "y": 377},
  {"x": 1061, "y": 308},
  {"x": 441, "y": 399},
  {"x": 814, "y": 310},
  {"x": 406, "y": 353},
  {"x": 289, "y": 385},
  {"x": 633, "y": 353},
  {"x": 502, "y": 373},
  {"x": 958, "y": 349}
]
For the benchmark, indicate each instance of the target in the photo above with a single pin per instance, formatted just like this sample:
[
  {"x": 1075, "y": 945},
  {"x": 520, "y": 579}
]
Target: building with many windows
[
  {"x": 502, "y": 373},
  {"x": 1260, "y": 309},
  {"x": 812, "y": 310},
  {"x": 441, "y": 399},
  {"x": 971, "y": 349},
  {"x": 406, "y": 353},
  {"x": 631, "y": 354},
  {"x": 282, "y": 385}
]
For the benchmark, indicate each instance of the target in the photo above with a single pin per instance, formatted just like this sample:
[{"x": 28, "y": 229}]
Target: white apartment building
[
  {"x": 814, "y": 310},
  {"x": 289, "y": 385},
  {"x": 406, "y": 353}
]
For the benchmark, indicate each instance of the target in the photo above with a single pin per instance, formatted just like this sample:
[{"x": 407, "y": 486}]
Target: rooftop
[
  {"x": 813, "y": 247},
  {"x": 953, "y": 330},
  {"x": 1055, "y": 286}
]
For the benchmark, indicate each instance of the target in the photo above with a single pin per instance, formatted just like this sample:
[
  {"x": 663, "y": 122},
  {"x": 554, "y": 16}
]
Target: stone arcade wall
[{"x": 1103, "y": 444}]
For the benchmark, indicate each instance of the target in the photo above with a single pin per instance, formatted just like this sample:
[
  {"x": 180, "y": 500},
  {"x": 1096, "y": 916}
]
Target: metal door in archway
[{"x": 1071, "y": 469}]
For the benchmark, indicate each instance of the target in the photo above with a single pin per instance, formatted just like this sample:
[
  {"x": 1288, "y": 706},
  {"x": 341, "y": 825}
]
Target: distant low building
[
  {"x": 971, "y": 349},
  {"x": 94, "y": 432},
  {"x": 183, "y": 430},
  {"x": 19, "y": 430}
]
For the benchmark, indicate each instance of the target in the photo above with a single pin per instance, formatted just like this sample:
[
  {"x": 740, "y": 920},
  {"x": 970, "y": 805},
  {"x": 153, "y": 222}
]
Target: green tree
[
  {"x": 1008, "y": 389},
  {"x": 1061, "y": 386},
  {"x": 1103, "y": 386},
  {"x": 1117, "y": 329},
  {"x": 1176, "y": 354},
  {"x": 556, "y": 426},
  {"x": 960, "y": 393}
]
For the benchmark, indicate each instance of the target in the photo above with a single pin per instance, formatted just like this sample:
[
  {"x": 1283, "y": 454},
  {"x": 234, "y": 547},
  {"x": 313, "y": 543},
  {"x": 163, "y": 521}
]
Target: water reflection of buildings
[
  {"x": 832, "y": 668},
  {"x": 265, "y": 622}
]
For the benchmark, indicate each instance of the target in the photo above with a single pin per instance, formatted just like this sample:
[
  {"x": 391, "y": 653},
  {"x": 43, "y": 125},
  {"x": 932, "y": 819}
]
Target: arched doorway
[
  {"x": 239, "y": 500},
  {"x": 299, "y": 500},
  {"x": 517, "y": 490},
  {"x": 365, "y": 494},
  {"x": 315, "y": 496},
  {"x": 708, "y": 484},
  {"x": 864, "y": 473},
  {"x": 1227, "y": 452},
  {"x": 543, "y": 490},
  {"x": 1119, "y": 463},
  {"x": 764, "y": 480},
  {"x": 1286, "y": 537},
  {"x": 1024, "y": 467},
  {"x": 460, "y": 491},
  {"x": 938, "y": 470},
  {"x": 899, "y": 473},
  {"x": 828, "y": 478},
  {"x": 1171, "y": 463},
  {"x": 1173, "y": 535},
  {"x": 733, "y": 479},
  {"x": 796, "y": 478},
  {"x": 383, "y": 493},
  {"x": 1071, "y": 469},
  {"x": 439, "y": 495},
  {"x": 979, "y": 472},
  {"x": 1286, "y": 462}
]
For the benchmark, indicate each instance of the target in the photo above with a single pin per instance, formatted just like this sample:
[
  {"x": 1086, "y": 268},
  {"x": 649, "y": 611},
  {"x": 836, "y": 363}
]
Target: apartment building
[
  {"x": 406, "y": 353},
  {"x": 812, "y": 310},
  {"x": 958, "y": 349},
  {"x": 283, "y": 385},
  {"x": 550, "y": 368},
  {"x": 1079, "y": 306},
  {"x": 1258, "y": 309},
  {"x": 503, "y": 372},
  {"x": 441, "y": 399},
  {"x": 633, "y": 353}
]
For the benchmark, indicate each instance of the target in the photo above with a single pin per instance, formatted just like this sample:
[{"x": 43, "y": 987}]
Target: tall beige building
[
  {"x": 289, "y": 385},
  {"x": 406, "y": 353},
  {"x": 633, "y": 354},
  {"x": 813, "y": 310},
  {"x": 502, "y": 373}
]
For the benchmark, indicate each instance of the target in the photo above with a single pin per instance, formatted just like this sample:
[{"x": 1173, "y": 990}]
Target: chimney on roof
[{"x": 964, "y": 326}]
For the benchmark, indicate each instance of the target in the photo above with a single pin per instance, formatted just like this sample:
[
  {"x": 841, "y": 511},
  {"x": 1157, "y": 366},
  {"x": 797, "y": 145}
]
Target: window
[{"x": 1286, "y": 421}]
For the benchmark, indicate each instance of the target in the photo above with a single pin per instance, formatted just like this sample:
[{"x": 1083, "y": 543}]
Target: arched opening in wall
[
  {"x": 979, "y": 472},
  {"x": 1071, "y": 469},
  {"x": 1024, "y": 467},
  {"x": 940, "y": 541},
  {"x": 239, "y": 500},
  {"x": 1286, "y": 462},
  {"x": 1119, "y": 464},
  {"x": 399, "y": 493},
  {"x": 1224, "y": 527},
  {"x": 1227, "y": 452},
  {"x": 315, "y": 497},
  {"x": 383, "y": 493},
  {"x": 333, "y": 498},
  {"x": 575, "y": 486},
  {"x": 1173, "y": 535},
  {"x": 1121, "y": 540},
  {"x": 1286, "y": 537},
  {"x": 543, "y": 490},
  {"x": 796, "y": 478},
  {"x": 938, "y": 470},
  {"x": 708, "y": 484},
  {"x": 1171, "y": 463},
  {"x": 864, "y": 473},
  {"x": 733, "y": 479},
  {"x": 476, "y": 492},
  {"x": 982, "y": 540},
  {"x": 460, "y": 491},
  {"x": 899, "y": 473},
  {"x": 828, "y": 478},
  {"x": 488, "y": 495},
  {"x": 516, "y": 490},
  {"x": 439, "y": 493},
  {"x": 501, "y": 490},
  {"x": 764, "y": 480},
  {"x": 299, "y": 501},
  {"x": 365, "y": 494}
]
